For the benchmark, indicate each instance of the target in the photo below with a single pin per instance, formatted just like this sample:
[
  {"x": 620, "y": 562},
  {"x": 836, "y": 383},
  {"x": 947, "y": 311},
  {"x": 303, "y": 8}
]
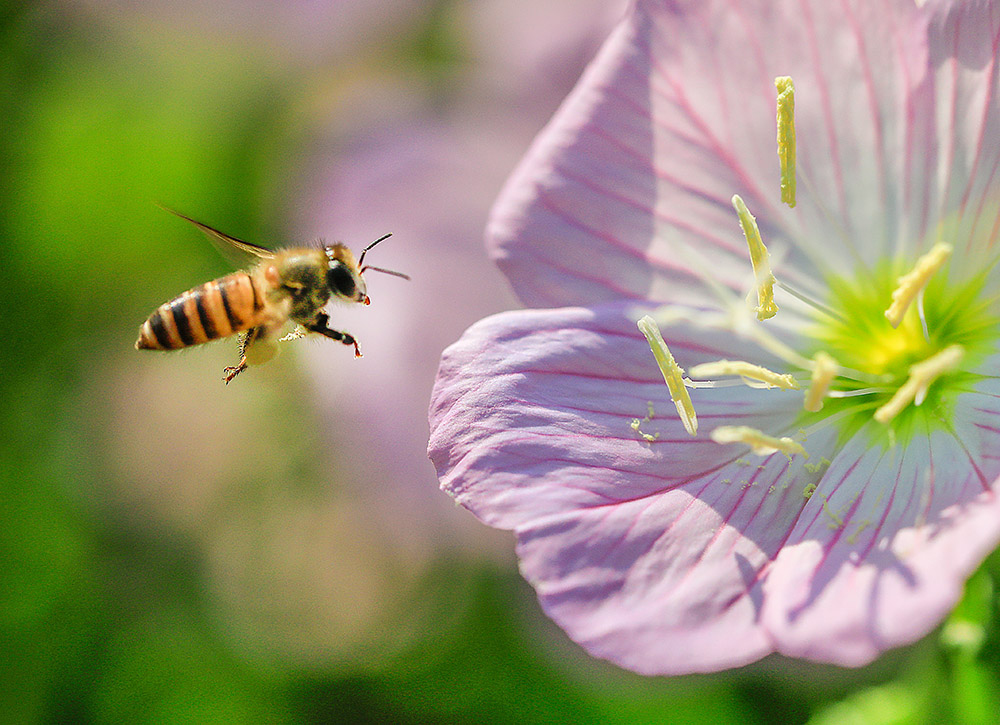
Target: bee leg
[
  {"x": 321, "y": 325},
  {"x": 245, "y": 340},
  {"x": 232, "y": 372}
]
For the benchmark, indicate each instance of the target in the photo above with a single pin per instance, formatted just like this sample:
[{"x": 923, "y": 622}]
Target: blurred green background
[{"x": 173, "y": 550}]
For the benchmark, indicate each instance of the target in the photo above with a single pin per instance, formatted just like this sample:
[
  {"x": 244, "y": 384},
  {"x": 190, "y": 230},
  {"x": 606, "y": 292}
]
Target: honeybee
[{"x": 284, "y": 285}]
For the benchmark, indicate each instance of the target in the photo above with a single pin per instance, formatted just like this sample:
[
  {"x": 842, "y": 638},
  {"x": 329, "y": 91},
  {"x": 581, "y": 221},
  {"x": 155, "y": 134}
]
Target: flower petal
[
  {"x": 630, "y": 183},
  {"x": 882, "y": 551},
  {"x": 961, "y": 95},
  {"x": 648, "y": 553}
]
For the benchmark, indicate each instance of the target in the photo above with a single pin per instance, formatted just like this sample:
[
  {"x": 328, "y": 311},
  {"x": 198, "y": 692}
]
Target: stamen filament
[
  {"x": 824, "y": 371},
  {"x": 786, "y": 137},
  {"x": 910, "y": 285},
  {"x": 818, "y": 306},
  {"x": 922, "y": 374},
  {"x": 923, "y": 316},
  {"x": 747, "y": 371},
  {"x": 759, "y": 442},
  {"x": 672, "y": 374},
  {"x": 732, "y": 322},
  {"x": 856, "y": 393},
  {"x": 759, "y": 258},
  {"x": 834, "y": 418},
  {"x": 712, "y": 383}
]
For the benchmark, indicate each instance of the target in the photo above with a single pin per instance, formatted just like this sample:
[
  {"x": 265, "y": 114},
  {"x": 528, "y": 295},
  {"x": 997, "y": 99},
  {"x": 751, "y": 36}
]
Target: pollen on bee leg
[
  {"x": 296, "y": 334},
  {"x": 672, "y": 373},
  {"x": 759, "y": 258},
  {"x": 760, "y": 443},
  {"x": 786, "y": 137},
  {"x": 747, "y": 371},
  {"x": 825, "y": 369},
  {"x": 922, "y": 374},
  {"x": 911, "y": 284}
]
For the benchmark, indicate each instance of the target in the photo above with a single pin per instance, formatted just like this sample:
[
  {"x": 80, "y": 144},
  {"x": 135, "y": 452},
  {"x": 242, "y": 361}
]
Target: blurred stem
[{"x": 965, "y": 635}]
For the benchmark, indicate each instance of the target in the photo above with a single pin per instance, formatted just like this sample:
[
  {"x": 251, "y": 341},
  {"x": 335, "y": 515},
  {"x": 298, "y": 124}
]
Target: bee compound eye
[{"x": 340, "y": 280}]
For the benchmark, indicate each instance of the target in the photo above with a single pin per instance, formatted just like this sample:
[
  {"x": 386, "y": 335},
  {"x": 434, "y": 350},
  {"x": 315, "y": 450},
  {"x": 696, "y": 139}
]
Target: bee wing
[{"x": 236, "y": 250}]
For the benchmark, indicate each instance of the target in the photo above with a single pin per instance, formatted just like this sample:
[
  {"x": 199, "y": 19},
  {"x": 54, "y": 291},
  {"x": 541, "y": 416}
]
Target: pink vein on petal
[
  {"x": 988, "y": 108},
  {"x": 847, "y": 474},
  {"x": 830, "y": 546},
  {"x": 872, "y": 100},
  {"x": 762, "y": 203},
  {"x": 877, "y": 530},
  {"x": 823, "y": 90},
  {"x": 711, "y": 197},
  {"x": 949, "y": 162},
  {"x": 983, "y": 125},
  {"x": 676, "y": 221},
  {"x": 983, "y": 478},
  {"x": 767, "y": 88}
]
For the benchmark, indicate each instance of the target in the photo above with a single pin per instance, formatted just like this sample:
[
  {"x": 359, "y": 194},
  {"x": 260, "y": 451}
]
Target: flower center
[
  {"x": 945, "y": 332},
  {"x": 895, "y": 344}
]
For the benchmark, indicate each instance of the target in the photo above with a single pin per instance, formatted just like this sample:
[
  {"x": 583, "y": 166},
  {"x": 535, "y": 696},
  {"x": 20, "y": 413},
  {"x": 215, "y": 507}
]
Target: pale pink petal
[
  {"x": 648, "y": 554},
  {"x": 683, "y": 555},
  {"x": 677, "y": 114},
  {"x": 535, "y": 381},
  {"x": 881, "y": 553},
  {"x": 964, "y": 47}
]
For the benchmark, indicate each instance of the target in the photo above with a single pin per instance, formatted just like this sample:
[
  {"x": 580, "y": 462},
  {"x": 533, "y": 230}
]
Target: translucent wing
[{"x": 236, "y": 250}]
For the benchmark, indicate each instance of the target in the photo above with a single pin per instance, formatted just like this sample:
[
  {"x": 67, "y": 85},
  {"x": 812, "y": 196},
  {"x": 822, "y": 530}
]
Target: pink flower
[
  {"x": 425, "y": 166},
  {"x": 288, "y": 33},
  {"x": 669, "y": 553}
]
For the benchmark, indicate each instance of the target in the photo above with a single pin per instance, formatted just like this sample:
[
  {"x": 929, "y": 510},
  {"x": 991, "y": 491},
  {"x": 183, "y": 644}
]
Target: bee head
[
  {"x": 344, "y": 281},
  {"x": 345, "y": 278}
]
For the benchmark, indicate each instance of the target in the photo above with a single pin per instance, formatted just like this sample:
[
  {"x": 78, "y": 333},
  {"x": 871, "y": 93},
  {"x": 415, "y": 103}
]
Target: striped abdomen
[{"x": 215, "y": 309}]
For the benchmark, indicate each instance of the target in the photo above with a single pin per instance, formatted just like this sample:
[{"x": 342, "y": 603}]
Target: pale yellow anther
[
  {"x": 672, "y": 374},
  {"x": 825, "y": 369},
  {"x": 747, "y": 371},
  {"x": 766, "y": 308},
  {"x": 759, "y": 442},
  {"x": 910, "y": 285},
  {"x": 786, "y": 137},
  {"x": 922, "y": 374}
]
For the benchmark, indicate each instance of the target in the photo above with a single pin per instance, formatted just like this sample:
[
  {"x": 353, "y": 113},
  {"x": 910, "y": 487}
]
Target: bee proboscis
[{"x": 292, "y": 284}]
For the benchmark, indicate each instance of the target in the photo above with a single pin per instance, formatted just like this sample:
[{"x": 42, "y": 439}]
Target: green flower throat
[{"x": 876, "y": 360}]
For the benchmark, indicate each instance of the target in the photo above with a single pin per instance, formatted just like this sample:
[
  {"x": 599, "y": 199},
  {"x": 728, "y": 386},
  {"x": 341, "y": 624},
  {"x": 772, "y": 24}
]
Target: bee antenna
[
  {"x": 365, "y": 250},
  {"x": 385, "y": 271}
]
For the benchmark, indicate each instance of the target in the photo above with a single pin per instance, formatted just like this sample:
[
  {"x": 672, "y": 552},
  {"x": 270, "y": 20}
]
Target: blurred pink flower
[
  {"x": 668, "y": 553},
  {"x": 398, "y": 158},
  {"x": 300, "y": 32}
]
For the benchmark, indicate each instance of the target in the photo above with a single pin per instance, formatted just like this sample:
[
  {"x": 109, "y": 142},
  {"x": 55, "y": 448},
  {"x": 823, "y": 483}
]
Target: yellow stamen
[
  {"x": 922, "y": 374},
  {"x": 759, "y": 442},
  {"x": 910, "y": 285},
  {"x": 745, "y": 370},
  {"x": 786, "y": 137},
  {"x": 825, "y": 369},
  {"x": 766, "y": 308},
  {"x": 672, "y": 374}
]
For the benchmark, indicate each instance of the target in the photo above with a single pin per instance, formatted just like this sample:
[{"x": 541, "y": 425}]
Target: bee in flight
[{"x": 284, "y": 285}]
